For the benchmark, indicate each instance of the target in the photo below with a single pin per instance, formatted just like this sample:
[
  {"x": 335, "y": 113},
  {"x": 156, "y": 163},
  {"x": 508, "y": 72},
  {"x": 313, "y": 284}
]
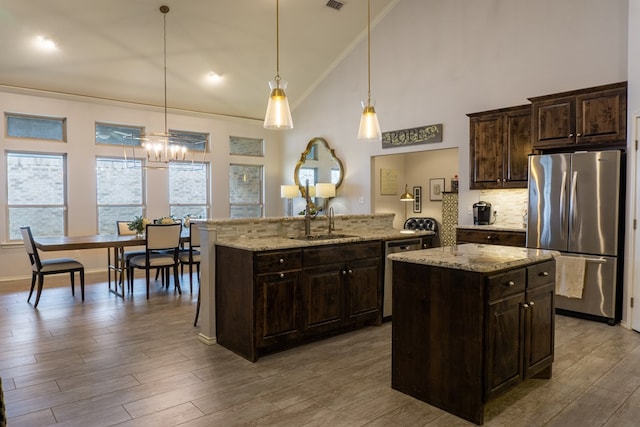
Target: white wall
[{"x": 81, "y": 114}]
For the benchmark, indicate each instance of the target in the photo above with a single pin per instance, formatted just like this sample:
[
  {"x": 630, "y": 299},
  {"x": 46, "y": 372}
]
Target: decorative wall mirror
[{"x": 318, "y": 163}]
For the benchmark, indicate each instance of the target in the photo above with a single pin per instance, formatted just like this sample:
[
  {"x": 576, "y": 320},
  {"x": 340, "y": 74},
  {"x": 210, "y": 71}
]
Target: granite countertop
[
  {"x": 493, "y": 228},
  {"x": 284, "y": 242},
  {"x": 474, "y": 257}
]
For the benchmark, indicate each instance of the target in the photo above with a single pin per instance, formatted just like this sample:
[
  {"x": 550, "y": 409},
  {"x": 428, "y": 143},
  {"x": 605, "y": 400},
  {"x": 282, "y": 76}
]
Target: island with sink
[
  {"x": 470, "y": 322},
  {"x": 293, "y": 286}
]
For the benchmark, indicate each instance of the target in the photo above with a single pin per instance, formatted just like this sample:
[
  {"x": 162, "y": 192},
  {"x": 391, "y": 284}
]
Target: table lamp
[
  {"x": 289, "y": 192},
  {"x": 326, "y": 191}
]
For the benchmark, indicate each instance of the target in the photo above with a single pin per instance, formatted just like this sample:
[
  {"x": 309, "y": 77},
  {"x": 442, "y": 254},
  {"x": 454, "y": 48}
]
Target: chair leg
[
  {"x": 176, "y": 279},
  {"x": 73, "y": 283},
  {"x": 82, "y": 283},
  {"x": 195, "y": 322},
  {"x": 190, "y": 278},
  {"x": 147, "y": 277},
  {"x": 33, "y": 284},
  {"x": 40, "y": 284}
]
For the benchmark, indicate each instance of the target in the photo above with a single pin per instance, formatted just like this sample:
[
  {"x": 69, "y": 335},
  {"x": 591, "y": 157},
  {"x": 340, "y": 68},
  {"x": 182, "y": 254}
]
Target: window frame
[{"x": 62, "y": 120}]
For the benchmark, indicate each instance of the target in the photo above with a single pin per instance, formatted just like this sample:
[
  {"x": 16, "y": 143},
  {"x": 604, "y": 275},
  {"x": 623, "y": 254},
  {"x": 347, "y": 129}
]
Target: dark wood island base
[{"x": 462, "y": 337}]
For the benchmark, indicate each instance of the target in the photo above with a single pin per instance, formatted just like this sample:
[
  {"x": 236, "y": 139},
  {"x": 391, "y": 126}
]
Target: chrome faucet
[{"x": 331, "y": 218}]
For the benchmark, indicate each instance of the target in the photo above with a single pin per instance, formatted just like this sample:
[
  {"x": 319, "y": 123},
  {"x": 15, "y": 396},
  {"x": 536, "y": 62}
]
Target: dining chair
[
  {"x": 41, "y": 268},
  {"x": 125, "y": 256},
  {"x": 161, "y": 252},
  {"x": 191, "y": 255}
]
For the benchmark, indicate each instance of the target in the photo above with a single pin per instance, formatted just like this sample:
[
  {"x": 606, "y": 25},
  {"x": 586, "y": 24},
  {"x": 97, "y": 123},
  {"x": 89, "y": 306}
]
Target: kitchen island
[{"x": 471, "y": 322}]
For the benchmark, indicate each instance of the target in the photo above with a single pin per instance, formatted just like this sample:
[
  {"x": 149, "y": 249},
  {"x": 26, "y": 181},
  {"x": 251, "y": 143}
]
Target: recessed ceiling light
[
  {"x": 46, "y": 44},
  {"x": 214, "y": 77}
]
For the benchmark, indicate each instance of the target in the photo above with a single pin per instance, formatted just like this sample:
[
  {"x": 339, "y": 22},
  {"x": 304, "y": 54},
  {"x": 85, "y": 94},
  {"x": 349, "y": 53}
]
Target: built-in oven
[{"x": 392, "y": 247}]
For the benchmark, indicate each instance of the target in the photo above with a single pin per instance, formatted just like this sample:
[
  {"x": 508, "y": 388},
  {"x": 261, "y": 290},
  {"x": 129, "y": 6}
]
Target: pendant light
[
  {"x": 278, "y": 115},
  {"x": 162, "y": 148},
  {"x": 369, "y": 126}
]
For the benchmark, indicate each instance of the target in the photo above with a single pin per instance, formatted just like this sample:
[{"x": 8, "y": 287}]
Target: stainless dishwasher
[{"x": 392, "y": 247}]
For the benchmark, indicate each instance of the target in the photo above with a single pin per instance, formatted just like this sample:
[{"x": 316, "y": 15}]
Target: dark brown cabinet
[
  {"x": 270, "y": 300},
  {"x": 491, "y": 237},
  {"x": 500, "y": 141},
  {"x": 461, "y": 338},
  {"x": 588, "y": 117}
]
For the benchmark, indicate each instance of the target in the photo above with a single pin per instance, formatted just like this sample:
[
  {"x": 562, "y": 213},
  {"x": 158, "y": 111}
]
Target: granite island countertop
[
  {"x": 475, "y": 257},
  {"x": 291, "y": 242}
]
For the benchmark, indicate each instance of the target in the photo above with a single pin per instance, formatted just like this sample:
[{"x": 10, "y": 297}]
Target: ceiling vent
[{"x": 334, "y": 4}]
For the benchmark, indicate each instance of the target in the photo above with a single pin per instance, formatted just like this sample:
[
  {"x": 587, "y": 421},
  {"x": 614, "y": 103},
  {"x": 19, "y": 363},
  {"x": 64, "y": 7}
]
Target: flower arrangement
[
  {"x": 139, "y": 224},
  {"x": 186, "y": 220},
  {"x": 166, "y": 220}
]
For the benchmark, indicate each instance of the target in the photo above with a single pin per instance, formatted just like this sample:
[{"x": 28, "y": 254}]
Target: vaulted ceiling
[{"x": 113, "y": 49}]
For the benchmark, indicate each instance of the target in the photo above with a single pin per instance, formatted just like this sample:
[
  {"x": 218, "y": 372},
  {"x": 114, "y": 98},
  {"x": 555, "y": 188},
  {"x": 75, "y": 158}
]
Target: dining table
[{"x": 115, "y": 245}]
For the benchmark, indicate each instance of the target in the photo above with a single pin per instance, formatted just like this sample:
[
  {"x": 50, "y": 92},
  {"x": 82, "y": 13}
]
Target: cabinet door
[
  {"x": 554, "y": 122},
  {"x": 517, "y": 146},
  {"x": 539, "y": 330},
  {"x": 602, "y": 117},
  {"x": 277, "y": 308},
  {"x": 363, "y": 290},
  {"x": 486, "y": 149},
  {"x": 505, "y": 345},
  {"x": 323, "y": 298}
]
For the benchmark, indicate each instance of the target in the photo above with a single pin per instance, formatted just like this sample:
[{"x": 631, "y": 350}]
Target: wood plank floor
[{"x": 109, "y": 361}]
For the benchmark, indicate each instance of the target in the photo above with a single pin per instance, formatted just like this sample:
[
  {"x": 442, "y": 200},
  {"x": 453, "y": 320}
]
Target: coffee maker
[{"x": 481, "y": 213}]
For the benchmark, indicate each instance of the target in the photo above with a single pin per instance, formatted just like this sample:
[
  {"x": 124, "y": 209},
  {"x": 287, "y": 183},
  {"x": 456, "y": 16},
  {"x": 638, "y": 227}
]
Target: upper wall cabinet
[
  {"x": 500, "y": 142},
  {"x": 595, "y": 116}
]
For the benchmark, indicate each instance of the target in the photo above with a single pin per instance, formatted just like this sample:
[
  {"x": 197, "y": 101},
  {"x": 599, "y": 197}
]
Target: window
[
  {"x": 37, "y": 127},
  {"x": 246, "y": 146},
  {"x": 245, "y": 191},
  {"x": 120, "y": 193},
  {"x": 194, "y": 141},
  {"x": 36, "y": 193},
  {"x": 117, "y": 134},
  {"x": 310, "y": 174},
  {"x": 188, "y": 190}
]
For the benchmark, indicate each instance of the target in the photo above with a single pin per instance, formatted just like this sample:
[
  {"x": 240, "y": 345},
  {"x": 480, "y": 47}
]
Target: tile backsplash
[{"x": 509, "y": 205}]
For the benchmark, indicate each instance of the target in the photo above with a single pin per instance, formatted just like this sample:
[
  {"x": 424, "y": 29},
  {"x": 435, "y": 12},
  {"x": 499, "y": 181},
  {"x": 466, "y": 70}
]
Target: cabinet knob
[
  {"x": 489, "y": 237},
  {"x": 544, "y": 274},
  {"x": 531, "y": 304},
  {"x": 281, "y": 261},
  {"x": 282, "y": 275},
  {"x": 510, "y": 283},
  {"x": 578, "y": 135},
  {"x": 525, "y": 305},
  {"x": 344, "y": 272},
  {"x": 570, "y": 135},
  {"x": 350, "y": 272}
]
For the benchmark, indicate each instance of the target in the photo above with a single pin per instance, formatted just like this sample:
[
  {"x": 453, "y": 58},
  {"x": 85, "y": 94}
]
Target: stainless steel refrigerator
[{"x": 574, "y": 208}]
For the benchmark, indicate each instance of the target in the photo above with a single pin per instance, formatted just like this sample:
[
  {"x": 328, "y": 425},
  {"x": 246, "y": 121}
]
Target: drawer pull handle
[
  {"x": 282, "y": 275},
  {"x": 544, "y": 274},
  {"x": 510, "y": 283},
  {"x": 281, "y": 260},
  {"x": 489, "y": 237}
]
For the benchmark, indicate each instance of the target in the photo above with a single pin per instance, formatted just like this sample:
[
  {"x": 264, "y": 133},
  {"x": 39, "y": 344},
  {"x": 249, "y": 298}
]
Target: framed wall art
[
  {"x": 417, "y": 199},
  {"x": 436, "y": 187}
]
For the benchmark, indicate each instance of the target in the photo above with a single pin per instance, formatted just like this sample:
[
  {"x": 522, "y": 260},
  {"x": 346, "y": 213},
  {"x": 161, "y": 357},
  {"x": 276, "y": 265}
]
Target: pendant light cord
[
  {"x": 369, "y": 52},
  {"x": 277, "y": 43},
  {"x": 165, "y": 10}
]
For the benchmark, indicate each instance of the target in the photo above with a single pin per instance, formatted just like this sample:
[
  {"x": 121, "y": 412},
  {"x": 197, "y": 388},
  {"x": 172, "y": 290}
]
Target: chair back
[
  {"x": 123, "y": 228},
  {"x": 163, "y": 236},
  {"x": 194, "y": 235},
  {"x": 30, "y": 247}
]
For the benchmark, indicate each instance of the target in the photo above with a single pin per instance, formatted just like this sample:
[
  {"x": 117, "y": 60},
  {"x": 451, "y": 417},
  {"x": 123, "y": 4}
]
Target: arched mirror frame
[{"x": 303, "y": 158}]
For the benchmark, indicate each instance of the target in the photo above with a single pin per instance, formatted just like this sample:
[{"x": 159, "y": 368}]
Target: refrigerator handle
[
  {"x": 573, "y": 211},
  {"x": 563, "y": 207}
]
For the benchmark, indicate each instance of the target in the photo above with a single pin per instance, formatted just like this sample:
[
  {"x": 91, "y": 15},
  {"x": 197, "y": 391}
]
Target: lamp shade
[
  {"x": 325, "y": 190},
  {"x": 288, "y": 191},
  {"x": 278, "y": 115},
  {"x": 407, "y": 197},
  {"x": 369, "y": 125}
]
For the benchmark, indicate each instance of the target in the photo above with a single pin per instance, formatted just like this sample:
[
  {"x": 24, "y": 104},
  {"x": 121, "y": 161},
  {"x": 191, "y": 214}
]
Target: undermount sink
[{"x": 322, "y": 236}]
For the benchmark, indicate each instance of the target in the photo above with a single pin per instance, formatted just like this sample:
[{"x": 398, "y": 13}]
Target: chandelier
[{"x": 159, "y": 149}]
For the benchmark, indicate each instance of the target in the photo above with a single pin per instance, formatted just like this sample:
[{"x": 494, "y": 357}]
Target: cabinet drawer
[
  {"x": 270, "y": 262},
  {"x": 506, "y": 238},
  {"x": 541, "y": 274},
  {"x": 331, "y": 254},
  {"x": 508, "y": 283}
]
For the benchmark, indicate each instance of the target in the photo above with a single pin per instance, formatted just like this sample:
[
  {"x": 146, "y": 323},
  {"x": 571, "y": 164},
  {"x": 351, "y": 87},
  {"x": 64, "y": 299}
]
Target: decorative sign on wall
[
  {"x": 420, "y": 135},
  {"x": 388, "y": 181},
  {"x": 417, "y": 199}
]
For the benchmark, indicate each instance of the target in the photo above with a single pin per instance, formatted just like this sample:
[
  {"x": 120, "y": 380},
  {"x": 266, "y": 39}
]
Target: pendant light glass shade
[
  {"x": 369, "y": 126},
  {"x": 278, "y": 115}
]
